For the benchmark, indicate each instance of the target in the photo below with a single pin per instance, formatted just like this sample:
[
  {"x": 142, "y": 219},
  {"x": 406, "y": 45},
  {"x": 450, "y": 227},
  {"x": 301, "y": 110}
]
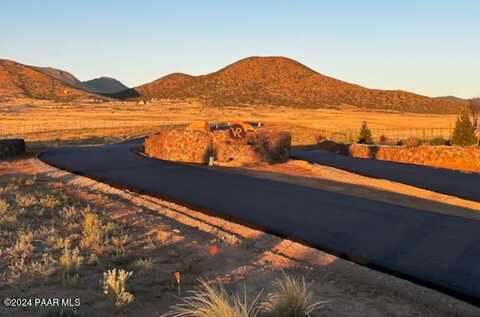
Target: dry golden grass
[{"x": 58, "y": 123}]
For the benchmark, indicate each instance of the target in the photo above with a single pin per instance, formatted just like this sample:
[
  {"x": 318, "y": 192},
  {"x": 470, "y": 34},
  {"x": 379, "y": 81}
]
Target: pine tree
[
  {"x": 365, "y": 135},
  {"x": 464, "y": 134}
]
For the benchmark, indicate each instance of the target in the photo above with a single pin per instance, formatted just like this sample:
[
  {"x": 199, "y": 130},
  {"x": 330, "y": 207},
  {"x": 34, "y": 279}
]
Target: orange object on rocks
[{"x": 213, "y": 250}]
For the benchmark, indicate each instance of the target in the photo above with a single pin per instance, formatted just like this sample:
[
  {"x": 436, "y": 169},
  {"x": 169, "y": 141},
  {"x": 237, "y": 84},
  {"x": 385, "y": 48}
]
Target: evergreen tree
[
  {"x": 365, "y": 135},
  {"x": 464, "y": 134}
]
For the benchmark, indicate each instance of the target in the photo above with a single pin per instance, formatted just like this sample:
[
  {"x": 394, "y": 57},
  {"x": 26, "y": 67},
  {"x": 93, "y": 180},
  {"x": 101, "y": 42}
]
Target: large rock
[
  {"x": 197, "y": 146},
  {"x": 11, "y": 147},
  {"x": 177, "y": 145}
]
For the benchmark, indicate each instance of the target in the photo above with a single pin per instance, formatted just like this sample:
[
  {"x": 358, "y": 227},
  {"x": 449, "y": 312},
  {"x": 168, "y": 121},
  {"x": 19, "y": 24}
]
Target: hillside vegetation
[
  {"x": 18, "y": 80},
  {"x": 283, "y": 81}
]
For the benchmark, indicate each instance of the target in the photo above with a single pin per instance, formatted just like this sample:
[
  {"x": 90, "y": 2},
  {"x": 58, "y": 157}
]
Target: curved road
[
  {"x": 455, "y": 183},
  {"x": 432, "y": 249}
]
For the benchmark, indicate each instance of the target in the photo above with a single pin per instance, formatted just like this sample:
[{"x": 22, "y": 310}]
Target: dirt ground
[{"x": 172, "y": 238}]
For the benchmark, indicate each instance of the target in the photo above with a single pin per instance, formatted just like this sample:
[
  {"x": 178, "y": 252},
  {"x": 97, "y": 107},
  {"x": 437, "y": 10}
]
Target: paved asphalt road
[
  {"x": 459, "y": 184},
  {"x": 439, "y": 251}
]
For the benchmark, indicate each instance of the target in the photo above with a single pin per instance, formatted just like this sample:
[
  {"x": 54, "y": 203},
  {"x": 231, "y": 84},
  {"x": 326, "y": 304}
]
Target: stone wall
[
  {"x": 11, "y": 147},
  {"x": 196, "y": 146},
  {"x": 452, "y": 157}
]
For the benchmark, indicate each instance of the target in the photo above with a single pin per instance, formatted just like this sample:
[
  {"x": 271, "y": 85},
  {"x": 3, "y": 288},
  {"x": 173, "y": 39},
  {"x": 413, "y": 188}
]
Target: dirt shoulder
[{"x": 51, "y": 205}]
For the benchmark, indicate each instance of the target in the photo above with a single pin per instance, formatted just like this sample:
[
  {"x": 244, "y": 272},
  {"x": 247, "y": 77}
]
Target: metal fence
[
  {"x": 64, "y": 130},
  {"x": 388, "y": 135},
  {"x": 56, "y": 130}
]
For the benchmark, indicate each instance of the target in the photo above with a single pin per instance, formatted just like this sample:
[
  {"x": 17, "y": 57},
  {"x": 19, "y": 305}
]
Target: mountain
[
  {"x": 104, "y": 85},
  {"x": 283, "y": 81},
  {"x": 452, "y": 98},
  {"x": 62, "y": 75},
  {"x": 166, "y": 87},
  {"x": 18, "y": 80}
]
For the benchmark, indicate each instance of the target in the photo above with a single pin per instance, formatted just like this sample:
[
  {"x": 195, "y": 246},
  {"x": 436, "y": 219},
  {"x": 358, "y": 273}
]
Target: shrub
[
  {"x": 92, "y": 259},
  {"x": 92, "y": 230},
  {"x": 438, "y": 141},
  {"x": 211, "y": 301},
  {"x": 464, "y": 134},
  {"x": 49, "y": 201},
  {"x": 411, "y": 142},
  {"x": 292, "y": 297},
  {"x": 71, "y": 260},
  {"x": 69, "y": 213},
  {"x": 20, "y": 267},
  {"x": 7, "y": 221},
  {"x": 3, "y": 206},
  {"x": 23, "y": 247},
  {"x": 7, "y": 218},
  {"x": 44, "y": 267},
  {"x": 118, "y": 243},
  {"x": 114, "y": 283},
  {"x": 25, "y": 200},
  {"x": 365, "y": 135}
]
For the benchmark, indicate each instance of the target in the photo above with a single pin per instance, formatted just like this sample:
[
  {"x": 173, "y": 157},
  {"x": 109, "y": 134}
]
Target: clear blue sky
[{"x": 429, "y": 47}]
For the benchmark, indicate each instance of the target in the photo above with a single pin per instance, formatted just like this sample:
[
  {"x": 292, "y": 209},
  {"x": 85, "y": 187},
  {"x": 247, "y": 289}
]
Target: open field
[
  {"x": 47, "y": 251},
  {"x": 44, "y": 121}
]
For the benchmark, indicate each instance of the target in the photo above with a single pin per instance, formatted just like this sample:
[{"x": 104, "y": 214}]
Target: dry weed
[
  {"x": 114, "y": 284},
  {"x": 291, "y": 297},
  {"x": 92, "y": 230},
  {"x": 25, "y": 200},
  {"x": 71, "y": 260},
  {"x": 214, "y": 301}
]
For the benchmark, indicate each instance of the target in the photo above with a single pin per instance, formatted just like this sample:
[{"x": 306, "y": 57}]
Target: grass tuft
[
  {"x": 92, "y": 230},
  {"x": 143, "y": 265},
  {"x": 7, "y": 218},
  {"x": 214, "y": 301},
  {"x": 3, "y": 206},
  {"x": 291, "y": 297},
  {"x": 25, "y": 200},
  {"x": 71, "y": 260}
]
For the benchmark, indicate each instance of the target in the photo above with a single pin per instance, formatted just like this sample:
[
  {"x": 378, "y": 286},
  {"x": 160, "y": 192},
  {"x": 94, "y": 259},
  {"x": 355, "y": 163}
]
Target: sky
[{"x": 427, "y": 47}]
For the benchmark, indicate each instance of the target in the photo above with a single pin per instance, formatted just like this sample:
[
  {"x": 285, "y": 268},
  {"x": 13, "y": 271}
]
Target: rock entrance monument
[{"x": 235, "y": 143}]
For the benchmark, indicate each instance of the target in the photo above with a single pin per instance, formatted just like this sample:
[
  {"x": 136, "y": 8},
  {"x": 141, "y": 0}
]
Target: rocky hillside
[
  {"x": 283, "y": 81},
  {"x": 18, "y": 80},
  {"x": 169, "y": 86}
]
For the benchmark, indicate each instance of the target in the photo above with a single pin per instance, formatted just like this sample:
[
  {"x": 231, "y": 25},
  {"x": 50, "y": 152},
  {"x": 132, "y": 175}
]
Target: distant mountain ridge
[
  {"x": 254, "y": 80},
  {"x": 62, "y": 75},
  {"x": 19, "y": 80},
  {"x": 101, "y": 85},
  {"x": 104, "y": 85},
  {"x": 283, "y": 81}
]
